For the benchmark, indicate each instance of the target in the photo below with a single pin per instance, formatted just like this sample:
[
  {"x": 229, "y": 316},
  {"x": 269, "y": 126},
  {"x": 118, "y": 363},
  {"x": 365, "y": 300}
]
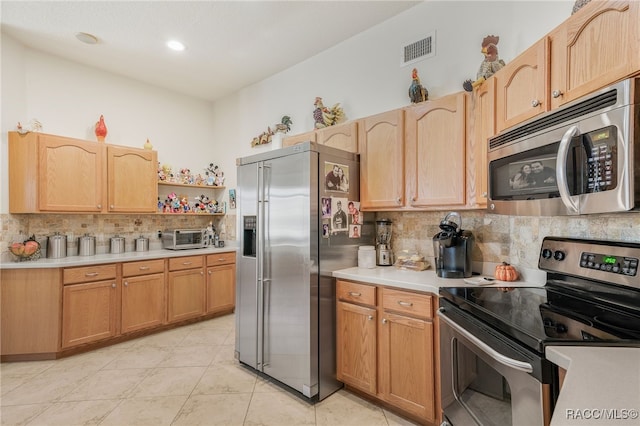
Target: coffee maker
[
  {"x": 452, "y": 248},
  {"x": 383, "y": 240}
]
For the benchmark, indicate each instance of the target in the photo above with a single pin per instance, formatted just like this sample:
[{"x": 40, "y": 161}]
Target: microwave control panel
[{"x": 601, "y": 160}]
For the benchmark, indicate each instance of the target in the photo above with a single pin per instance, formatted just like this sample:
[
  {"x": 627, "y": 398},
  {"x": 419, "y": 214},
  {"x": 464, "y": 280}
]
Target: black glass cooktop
[{"x": 554, "y": 314}]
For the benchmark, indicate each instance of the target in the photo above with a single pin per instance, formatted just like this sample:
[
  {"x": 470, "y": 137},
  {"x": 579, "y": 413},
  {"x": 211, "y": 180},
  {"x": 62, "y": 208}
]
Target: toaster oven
[{"x": 181, "y": 239}]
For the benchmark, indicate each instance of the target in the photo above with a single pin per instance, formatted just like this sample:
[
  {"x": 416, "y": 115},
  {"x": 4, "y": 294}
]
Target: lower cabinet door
[
  {"x": 186, "y": 294},
  {"x": 88, "y": 312},
  {"x": 407, "y": 364},
  {"x": 143, "y": 302},
  {"x": 356, "y": 346},
  {"x": 221, "y": 288}
]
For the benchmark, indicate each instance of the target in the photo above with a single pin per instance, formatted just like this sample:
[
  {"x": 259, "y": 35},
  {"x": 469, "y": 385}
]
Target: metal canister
[
  {"x": 56, "y": 246},
  {"x": 142, "y": 243},
  {"x": 86, "y": 245},
  {"x": 117, "y": 244}
]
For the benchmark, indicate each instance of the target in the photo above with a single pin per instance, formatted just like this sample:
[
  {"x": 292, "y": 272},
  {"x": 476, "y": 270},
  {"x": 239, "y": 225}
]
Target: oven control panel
[
  {"x": 609, "y": 263},
  {"x": 615, "y": 262}
]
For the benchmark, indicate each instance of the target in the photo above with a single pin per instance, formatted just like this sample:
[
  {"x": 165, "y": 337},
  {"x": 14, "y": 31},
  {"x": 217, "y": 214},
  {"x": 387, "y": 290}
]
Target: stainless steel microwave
[
  {"x": 180, "y": 239},
  {"x": 580, "y": 159}
]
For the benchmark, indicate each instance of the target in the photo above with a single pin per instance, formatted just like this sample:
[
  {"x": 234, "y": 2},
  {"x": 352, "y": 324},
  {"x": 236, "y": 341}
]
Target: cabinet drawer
[
  {"x": 143, "y": 267},
  {"x": 357, "y": 293},
  {"x": 413, "y": 304},
  {"x": 221, "y": 258},
  {"x": 89, "y": 273},
  {"x": 188, "y": 262}
]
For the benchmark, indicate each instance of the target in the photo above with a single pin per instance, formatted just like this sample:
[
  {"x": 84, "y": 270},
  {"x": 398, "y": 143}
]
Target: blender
[{"x": 383, "y": 241}]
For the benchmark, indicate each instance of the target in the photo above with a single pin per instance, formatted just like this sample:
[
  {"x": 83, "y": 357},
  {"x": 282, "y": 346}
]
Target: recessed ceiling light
[
  {"x": 175, "y": 45},
  {"x": 87, "y": 38}
]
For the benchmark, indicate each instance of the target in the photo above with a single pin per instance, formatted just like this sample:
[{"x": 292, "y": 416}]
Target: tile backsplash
[
  {"x": 17, "y": 227},
  {"x": 514, "y": 239}
]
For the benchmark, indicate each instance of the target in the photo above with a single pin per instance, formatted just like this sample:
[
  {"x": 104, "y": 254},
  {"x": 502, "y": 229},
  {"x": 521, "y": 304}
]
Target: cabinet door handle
[
  {"x": 111, "y": 206},
  {"x": 113, "y": 285},
  {"x": 99, "y": 206},
  {"x": 187, "y": 263},
  {"x": 535, "y": 103},
  {"x": 144, "y": 268},
  {"x": 126, "y": 283},
  {"x": 354, "y": 294},
  {"x": 399, "y": 200},
  {"x": 91, "y": 274},
  {"x": 384, "y": 320},
  {"x": 201, "y": 273},
  {"x": 370, "y": 317},
  {"x": 221, "y": 259},
  {"x": 401, "y": 303},
  {"x": 556, "y": 93},
  {"x": 210, "y": 272}
]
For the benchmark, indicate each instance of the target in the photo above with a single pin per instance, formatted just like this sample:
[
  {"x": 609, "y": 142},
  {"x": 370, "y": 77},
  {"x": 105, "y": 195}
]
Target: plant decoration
[
  {"x": 32, "y": 126},
  {"x": 265, "y": 137},
  {"x": 489, "y": 66},
  {"x": 325, "y": 117}
]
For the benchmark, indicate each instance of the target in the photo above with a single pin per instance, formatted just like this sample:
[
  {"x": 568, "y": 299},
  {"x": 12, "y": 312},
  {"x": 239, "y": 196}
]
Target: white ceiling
[{"x": 230, "y": 44}]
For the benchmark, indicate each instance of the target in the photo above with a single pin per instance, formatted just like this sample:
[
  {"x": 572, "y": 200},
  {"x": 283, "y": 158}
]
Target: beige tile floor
[{"x": 184, "y": 376}]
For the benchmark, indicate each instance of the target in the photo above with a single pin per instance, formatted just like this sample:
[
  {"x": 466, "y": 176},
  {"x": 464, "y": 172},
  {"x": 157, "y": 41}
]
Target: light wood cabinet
[
  {"x": 381, "y": 144},
  {"x": 30, "y": 311},
  {"x": 388, "y": 349},
  {"x": 299, "y": 138},
  {"x": 49, "y": 173},
  {"x": 481, "y": 128},
  {"x": 89, "y": 310},
  {"x": 143, "y": 295},
  {"x": 221, "y": 282},
  {"x": 521, "y": 87},
  {"x": 406, "y": 353},
  {"x": 435, "y": 152},
  {"x": 595, "y": 47},
  {"x": 186, "y": 288},
  {"x": 132, "y": 180},
  {"x": 342, "y": 136}
]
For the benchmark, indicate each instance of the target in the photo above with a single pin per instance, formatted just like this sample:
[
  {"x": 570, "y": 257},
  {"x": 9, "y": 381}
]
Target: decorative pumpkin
[{"x": 506, "y": 272}]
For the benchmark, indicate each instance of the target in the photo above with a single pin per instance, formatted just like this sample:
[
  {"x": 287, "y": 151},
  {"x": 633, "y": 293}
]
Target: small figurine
[
  {"x": 489, "y": 66},
  {"x": 147, "y": 145},
  {"x": 219, "y": 180},
  {"x": 211, "y": 172},
  {"x": 325, "y": 117},
  {"x": 417, "y": 92},
  {"x": 209, "y": 235},
  {"x": 285, "y": 125},
  {"x": 101, "y": 129},
  {"x": 166, "y": 170}
]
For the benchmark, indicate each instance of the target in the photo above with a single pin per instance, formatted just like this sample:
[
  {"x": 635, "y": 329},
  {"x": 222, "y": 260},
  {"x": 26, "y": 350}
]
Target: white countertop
[
  {"x": 600, "y": 382},
  {"x": 97, "y": 259},
  {"x": 428, "y": 281}
]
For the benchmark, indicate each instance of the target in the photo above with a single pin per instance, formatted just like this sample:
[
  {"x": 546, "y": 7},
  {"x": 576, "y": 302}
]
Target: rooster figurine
[
  {"x": 489, "y": 66},
  {"x": 417, "y": 92},
  {"x": 325, "y": 117}
]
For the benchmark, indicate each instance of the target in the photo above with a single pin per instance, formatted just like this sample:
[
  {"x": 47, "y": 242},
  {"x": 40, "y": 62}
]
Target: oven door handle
[
  {"x": 497, "y": 356},
  {"x": 561, "y": 169}
]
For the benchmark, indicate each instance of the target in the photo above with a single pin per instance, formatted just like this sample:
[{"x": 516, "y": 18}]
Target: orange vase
[{"x": 101, "y": 129}]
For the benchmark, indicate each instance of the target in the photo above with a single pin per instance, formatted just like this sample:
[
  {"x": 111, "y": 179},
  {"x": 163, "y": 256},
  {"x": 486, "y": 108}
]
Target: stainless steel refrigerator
[{"x": 289, "y": 245}]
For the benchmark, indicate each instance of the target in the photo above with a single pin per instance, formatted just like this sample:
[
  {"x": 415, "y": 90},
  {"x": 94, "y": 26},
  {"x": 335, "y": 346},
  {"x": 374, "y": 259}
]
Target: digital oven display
[{"x": 609, "y": 263}]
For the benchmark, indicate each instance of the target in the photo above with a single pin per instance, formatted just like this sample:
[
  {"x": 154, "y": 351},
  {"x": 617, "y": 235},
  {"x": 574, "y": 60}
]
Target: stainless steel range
[{"x": 493, "y": 340}]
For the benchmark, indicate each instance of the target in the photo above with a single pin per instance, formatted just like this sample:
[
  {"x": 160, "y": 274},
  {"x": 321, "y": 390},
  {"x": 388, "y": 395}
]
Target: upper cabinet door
[
  {"x": 133, "y": 181},
  {"x": 70, "y": 176},
  {"x": 381, "y": 144},
  {"x": 521, "y": 87},
  {"x": 597, "y": 46},
  {"x": 435, "y": 152},
  {"x": 342, "y": 136}
]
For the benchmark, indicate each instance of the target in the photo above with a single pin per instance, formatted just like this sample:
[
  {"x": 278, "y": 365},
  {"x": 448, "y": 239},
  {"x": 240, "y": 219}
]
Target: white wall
[{"x": 362, "y": 73}]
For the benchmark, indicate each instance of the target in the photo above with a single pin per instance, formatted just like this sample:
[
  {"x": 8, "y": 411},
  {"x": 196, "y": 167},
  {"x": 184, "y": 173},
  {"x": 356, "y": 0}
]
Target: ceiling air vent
[{"x": 419, "y": 50}]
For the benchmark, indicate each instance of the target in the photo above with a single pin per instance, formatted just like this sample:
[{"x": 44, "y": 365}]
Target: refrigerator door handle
[
  {"x": 266, "y": 303},
  {"x": 260, "y": 266}
]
